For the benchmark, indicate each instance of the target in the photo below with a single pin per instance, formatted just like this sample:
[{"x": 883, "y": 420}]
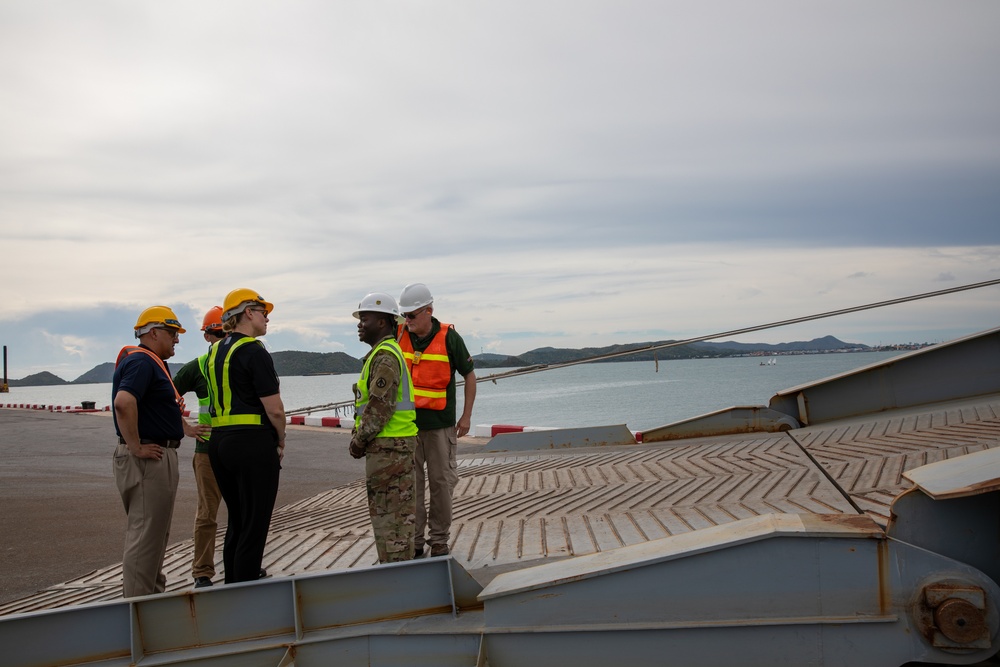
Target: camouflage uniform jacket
[{"x": 383, "y": 385}]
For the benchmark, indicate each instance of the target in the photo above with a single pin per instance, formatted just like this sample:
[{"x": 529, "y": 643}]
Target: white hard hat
[
  {"x": 377, "y": 302},
  {"x": 414, "y": 297}
]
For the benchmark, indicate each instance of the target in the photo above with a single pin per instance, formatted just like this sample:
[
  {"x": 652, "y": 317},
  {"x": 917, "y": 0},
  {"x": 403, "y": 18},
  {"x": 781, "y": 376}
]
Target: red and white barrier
[
  {"x": 313, "y": 420},
  {"x": 53, "y": 408}
]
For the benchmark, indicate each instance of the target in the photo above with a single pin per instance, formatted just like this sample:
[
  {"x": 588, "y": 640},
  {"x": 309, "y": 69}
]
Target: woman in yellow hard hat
[{"x": 248, "y": 431}]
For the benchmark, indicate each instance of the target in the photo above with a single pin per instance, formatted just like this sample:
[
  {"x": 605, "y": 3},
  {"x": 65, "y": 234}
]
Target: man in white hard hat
[
  {"x": 384, "y": 430},
  {"x": 434, "y": 351}
]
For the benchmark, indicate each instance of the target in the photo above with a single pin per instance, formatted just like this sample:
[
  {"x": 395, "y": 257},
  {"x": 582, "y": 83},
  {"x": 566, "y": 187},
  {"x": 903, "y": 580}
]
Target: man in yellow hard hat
[
  {"x": 192, "y": 377},
  {"x": 384, "y": 431},
  {"x": 248, "y": 431},
  {"x": 148, "y": 415}
]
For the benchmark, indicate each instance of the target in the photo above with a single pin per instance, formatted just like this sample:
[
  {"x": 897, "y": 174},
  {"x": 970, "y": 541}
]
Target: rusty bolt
[{"x": 960, "y": 621}]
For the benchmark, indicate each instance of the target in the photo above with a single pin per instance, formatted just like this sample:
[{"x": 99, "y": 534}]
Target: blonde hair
[{"x": 229, "y": 326}]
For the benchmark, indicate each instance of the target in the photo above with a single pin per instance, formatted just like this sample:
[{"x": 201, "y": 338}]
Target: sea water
[{"x": 641, "y": 395}]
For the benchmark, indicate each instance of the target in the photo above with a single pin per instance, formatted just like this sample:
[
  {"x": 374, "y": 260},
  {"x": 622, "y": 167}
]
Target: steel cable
[{"x": 538, "y": 368}]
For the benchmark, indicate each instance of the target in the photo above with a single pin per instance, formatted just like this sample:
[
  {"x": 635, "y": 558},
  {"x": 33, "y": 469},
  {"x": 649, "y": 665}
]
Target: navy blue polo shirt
[{"x": 159, "y": 415}]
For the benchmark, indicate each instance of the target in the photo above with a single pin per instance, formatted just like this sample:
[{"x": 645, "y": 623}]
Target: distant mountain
[
  {"x": 552, "y": 355},
  {"x": 314, "y": 363},
  {"x": 318, "y": 363},
  {"x": 104, "y": 373},
  {"x": 824, "y": 344},
  {"x": 491, "y": 357},
  {"x": 43, "y": 379}
]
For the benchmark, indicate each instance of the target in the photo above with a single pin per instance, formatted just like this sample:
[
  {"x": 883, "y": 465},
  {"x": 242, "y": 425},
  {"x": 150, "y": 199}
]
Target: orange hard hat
[{"x": 213, "y": 319}]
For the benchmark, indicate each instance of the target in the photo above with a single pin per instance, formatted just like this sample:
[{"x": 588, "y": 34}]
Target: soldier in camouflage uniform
[{"x": 385, "y": 432}]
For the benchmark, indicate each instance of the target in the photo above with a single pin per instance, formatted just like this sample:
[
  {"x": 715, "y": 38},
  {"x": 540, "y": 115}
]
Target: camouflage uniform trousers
[{"x": 391, "y": 501}]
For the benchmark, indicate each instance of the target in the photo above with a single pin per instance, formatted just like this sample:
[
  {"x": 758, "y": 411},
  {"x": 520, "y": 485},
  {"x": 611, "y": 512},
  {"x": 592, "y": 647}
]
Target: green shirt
[{"x": 188, "y": 379}]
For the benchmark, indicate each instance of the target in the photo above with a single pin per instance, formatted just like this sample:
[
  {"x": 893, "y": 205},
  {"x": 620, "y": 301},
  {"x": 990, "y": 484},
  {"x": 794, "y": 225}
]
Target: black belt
[{"x": 172, "y": 444}]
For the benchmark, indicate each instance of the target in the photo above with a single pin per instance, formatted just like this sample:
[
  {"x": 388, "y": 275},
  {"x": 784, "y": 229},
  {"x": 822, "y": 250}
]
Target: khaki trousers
[
  {"x": 147, "y": 488},
  {"x": 435, "y": 449},
  {"x": 205, "y": 522}
]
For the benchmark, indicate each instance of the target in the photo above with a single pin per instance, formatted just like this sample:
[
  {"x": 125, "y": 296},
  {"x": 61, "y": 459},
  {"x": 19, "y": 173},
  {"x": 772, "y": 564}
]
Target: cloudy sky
[{"x": 566, "y": 173}]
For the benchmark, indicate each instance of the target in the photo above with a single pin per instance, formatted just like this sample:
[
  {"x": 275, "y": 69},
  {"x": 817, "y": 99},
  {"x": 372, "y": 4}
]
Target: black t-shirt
[
  {"x": 251, "y": 376},
  {"x": 159, "y": 415}
]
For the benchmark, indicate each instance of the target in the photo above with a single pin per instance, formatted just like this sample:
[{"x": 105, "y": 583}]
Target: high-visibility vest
[
  {"x": 205, "y": 403},
  {"x": 402, "y": 424},
  {"x": 221, "y": 396},
  {"x": 431, "y": 369}
]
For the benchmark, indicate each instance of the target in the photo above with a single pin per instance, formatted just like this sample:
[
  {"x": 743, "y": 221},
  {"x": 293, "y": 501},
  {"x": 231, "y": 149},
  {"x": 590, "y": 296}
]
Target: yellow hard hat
[
  {"x": 157, "y": 315},
  {"x": 237, "y": 301}
]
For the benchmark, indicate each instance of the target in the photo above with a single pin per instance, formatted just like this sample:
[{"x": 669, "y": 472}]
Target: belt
[{"x": 172, "y": 444}]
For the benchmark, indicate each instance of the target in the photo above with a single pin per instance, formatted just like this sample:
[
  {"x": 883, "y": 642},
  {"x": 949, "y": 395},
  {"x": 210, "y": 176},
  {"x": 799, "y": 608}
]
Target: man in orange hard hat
[
  {"x": 192, "y": 377},
  {"x": 149, "y": 421}
]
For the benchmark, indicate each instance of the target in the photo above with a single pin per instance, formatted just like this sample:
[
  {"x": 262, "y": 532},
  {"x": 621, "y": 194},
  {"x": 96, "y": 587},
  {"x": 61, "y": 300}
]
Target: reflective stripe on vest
[
  {"x": 205, "y": 404},
  {"x": 222, "y": 397},
  {"x": 402, "y": 424},
  {"x": 431, "y": 369}
]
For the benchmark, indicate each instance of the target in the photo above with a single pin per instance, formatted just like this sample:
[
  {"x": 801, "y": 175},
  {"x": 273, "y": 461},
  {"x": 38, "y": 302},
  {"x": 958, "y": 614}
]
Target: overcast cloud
[{"x": 559, "y": 173}]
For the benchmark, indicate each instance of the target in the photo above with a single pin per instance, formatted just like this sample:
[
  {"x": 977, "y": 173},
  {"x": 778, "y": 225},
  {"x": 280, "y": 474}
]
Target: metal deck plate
[{"x": 516, "y": 508}]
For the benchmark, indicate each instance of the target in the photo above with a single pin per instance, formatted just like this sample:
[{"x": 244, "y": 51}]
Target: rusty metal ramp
[{"x": 519, "y": 508}]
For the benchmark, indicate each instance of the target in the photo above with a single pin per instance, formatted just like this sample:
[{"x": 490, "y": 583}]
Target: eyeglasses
[
  {"x": 173, "y": 333},
  {"x": 413, "y": 315},
  {"x": 259, "y": 310}
]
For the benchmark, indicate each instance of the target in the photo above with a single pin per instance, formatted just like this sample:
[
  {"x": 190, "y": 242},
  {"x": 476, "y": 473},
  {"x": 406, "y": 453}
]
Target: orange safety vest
[
  {"x": 430, "y": 369},
  {"x": 131, "y": 349}
]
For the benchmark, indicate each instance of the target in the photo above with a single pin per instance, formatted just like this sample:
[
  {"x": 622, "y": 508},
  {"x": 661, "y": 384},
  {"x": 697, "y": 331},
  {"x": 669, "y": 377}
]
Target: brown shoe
[{"x": 439, "y": 550}]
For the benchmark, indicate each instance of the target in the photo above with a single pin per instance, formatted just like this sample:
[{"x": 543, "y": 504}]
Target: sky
[{"x": 565, "y": 173}]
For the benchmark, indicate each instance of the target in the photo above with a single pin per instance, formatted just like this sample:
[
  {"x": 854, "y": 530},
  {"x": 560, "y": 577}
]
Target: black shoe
[
  {"x": 202, "y": 582},
  {"x": 439, "y": 550},
  {"x": 263, "y": 574},
  {"x": 419, "y": 551}
]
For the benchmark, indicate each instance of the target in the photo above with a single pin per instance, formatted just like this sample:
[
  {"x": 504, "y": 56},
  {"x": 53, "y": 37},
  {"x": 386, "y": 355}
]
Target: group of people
[{"x": 405, "y": 421}]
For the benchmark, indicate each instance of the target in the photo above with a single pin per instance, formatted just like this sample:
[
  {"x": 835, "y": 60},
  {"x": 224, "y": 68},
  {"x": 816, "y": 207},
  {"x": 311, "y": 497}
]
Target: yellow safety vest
[
  {"x": 222, "y": 397},
  {"x": 402, "y": 424}
]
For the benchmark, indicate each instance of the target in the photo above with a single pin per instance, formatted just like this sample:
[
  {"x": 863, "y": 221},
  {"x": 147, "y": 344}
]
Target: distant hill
[
  {"x": 291, "y": 363},
  {"x": 552, "y": 355},
  {"x": 103, "y": 373},
  {"x": 43, "y": 379},
  {"x": 313, "y": 363},
  {"x": 824, "y": 344}
]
